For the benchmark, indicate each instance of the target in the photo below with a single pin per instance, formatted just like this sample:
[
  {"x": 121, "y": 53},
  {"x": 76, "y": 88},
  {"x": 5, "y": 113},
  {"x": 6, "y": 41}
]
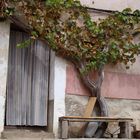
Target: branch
[
  {"x": 100, "y": 80},
  {"x": 87, "y": 42},
  {"x": 90, "y": 84},
  {"x": 136, "y": 32}
]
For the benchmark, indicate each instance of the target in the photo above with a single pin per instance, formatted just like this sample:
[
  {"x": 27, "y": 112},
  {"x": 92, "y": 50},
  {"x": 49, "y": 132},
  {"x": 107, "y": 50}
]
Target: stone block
[{"x": 135, "y": 106}]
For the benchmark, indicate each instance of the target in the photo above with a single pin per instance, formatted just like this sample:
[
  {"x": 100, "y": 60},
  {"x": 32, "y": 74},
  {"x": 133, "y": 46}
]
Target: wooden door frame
[{"x": 51, "y": 92}]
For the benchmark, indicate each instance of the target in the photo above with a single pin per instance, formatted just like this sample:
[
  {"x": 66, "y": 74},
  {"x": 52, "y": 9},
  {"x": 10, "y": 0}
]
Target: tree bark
[{"x": 94, "y": 87}]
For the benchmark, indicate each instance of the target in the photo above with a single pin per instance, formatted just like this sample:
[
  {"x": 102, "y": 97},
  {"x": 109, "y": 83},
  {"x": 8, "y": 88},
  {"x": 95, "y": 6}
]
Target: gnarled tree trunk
[{"x": 95, "y": 89}]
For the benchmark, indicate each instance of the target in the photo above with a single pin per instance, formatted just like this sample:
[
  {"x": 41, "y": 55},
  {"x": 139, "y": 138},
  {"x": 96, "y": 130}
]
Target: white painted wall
[
  {"x": 59, "y": 91},
  {"x": 112, "y": 4},
  {"x": 4, "y": 45}
]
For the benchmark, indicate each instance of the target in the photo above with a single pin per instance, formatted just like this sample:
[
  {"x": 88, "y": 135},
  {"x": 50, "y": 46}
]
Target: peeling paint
[{"x": 4, "y": 46}]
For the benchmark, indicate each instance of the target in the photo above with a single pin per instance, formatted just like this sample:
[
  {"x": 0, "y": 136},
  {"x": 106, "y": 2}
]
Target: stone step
[
  {"x": 26, "y": 134},
  {"x": 62, "y": 139}
]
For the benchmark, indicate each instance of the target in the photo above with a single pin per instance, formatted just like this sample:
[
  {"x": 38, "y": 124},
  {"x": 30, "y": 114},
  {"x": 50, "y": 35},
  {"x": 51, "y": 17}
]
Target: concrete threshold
[{"x": 64, "y": 139}]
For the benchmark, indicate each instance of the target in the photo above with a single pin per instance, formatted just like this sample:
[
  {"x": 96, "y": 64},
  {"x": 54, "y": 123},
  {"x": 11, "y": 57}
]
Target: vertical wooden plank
[
  {"x": 15, "y": 83},
  {"x": 42, "y": 76},
  {"x": 13, "y": 122},
  {"x": 45, "y": 90},
  {"x": 51, "y": 75},
  {"x": 24, "y": 78},
  {"x": 40, "y": 85},
  {"x": 29, "y": 64},
  {"x": 125, "y": 130},
  {"x": 14, "y": 86},
  {"x": 10, "y": 88},
  {"x": 51, "y": 92},
  {"x": 34, "y": 86},
  {"x": 12, "y": 82},
  {"x": 19, "y": 77},
  {"x": 23, "y": 85},
  {"x": 46, "y": 83},
  {"x": 14, "y": 103}
]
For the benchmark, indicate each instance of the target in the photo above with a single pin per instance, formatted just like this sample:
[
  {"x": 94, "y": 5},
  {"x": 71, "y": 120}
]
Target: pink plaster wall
[
  {"x": 115, "y": 85},
  {"x": 74, "y": 84}
]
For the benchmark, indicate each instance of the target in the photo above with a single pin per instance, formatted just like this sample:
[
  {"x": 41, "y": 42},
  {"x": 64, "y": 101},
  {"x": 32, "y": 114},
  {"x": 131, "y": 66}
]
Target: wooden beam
[
  {"x": 125, "y": 130},
  {"x": 90, "y": 106},
  {"x": 96, "y": 118},
  {"x": 87, "y": 113},
  {"x": 64, "y": 133}
]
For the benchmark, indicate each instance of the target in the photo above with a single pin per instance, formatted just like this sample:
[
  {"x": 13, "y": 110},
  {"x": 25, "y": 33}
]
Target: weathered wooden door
[{"x": 27, "y": 83}]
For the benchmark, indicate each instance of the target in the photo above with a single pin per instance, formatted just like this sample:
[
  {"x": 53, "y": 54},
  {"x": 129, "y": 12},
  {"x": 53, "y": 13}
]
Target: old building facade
[{"x": 66, "y": 94}]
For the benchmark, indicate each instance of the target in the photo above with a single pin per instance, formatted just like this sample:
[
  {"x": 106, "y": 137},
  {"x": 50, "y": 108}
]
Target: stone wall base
[{"x": 75, "y": 106}]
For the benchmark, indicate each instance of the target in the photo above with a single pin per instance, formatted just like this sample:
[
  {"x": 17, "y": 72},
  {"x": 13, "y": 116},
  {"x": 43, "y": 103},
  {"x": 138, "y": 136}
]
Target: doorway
[{"x": 27, "y": 83}]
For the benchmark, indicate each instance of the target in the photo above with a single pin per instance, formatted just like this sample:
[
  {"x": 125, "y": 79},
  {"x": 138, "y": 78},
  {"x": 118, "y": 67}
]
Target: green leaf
[
  {"x": 34, "y": 33},
  {"x": 24, "y": 44},
  {"x": 127, "y": 11}
]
